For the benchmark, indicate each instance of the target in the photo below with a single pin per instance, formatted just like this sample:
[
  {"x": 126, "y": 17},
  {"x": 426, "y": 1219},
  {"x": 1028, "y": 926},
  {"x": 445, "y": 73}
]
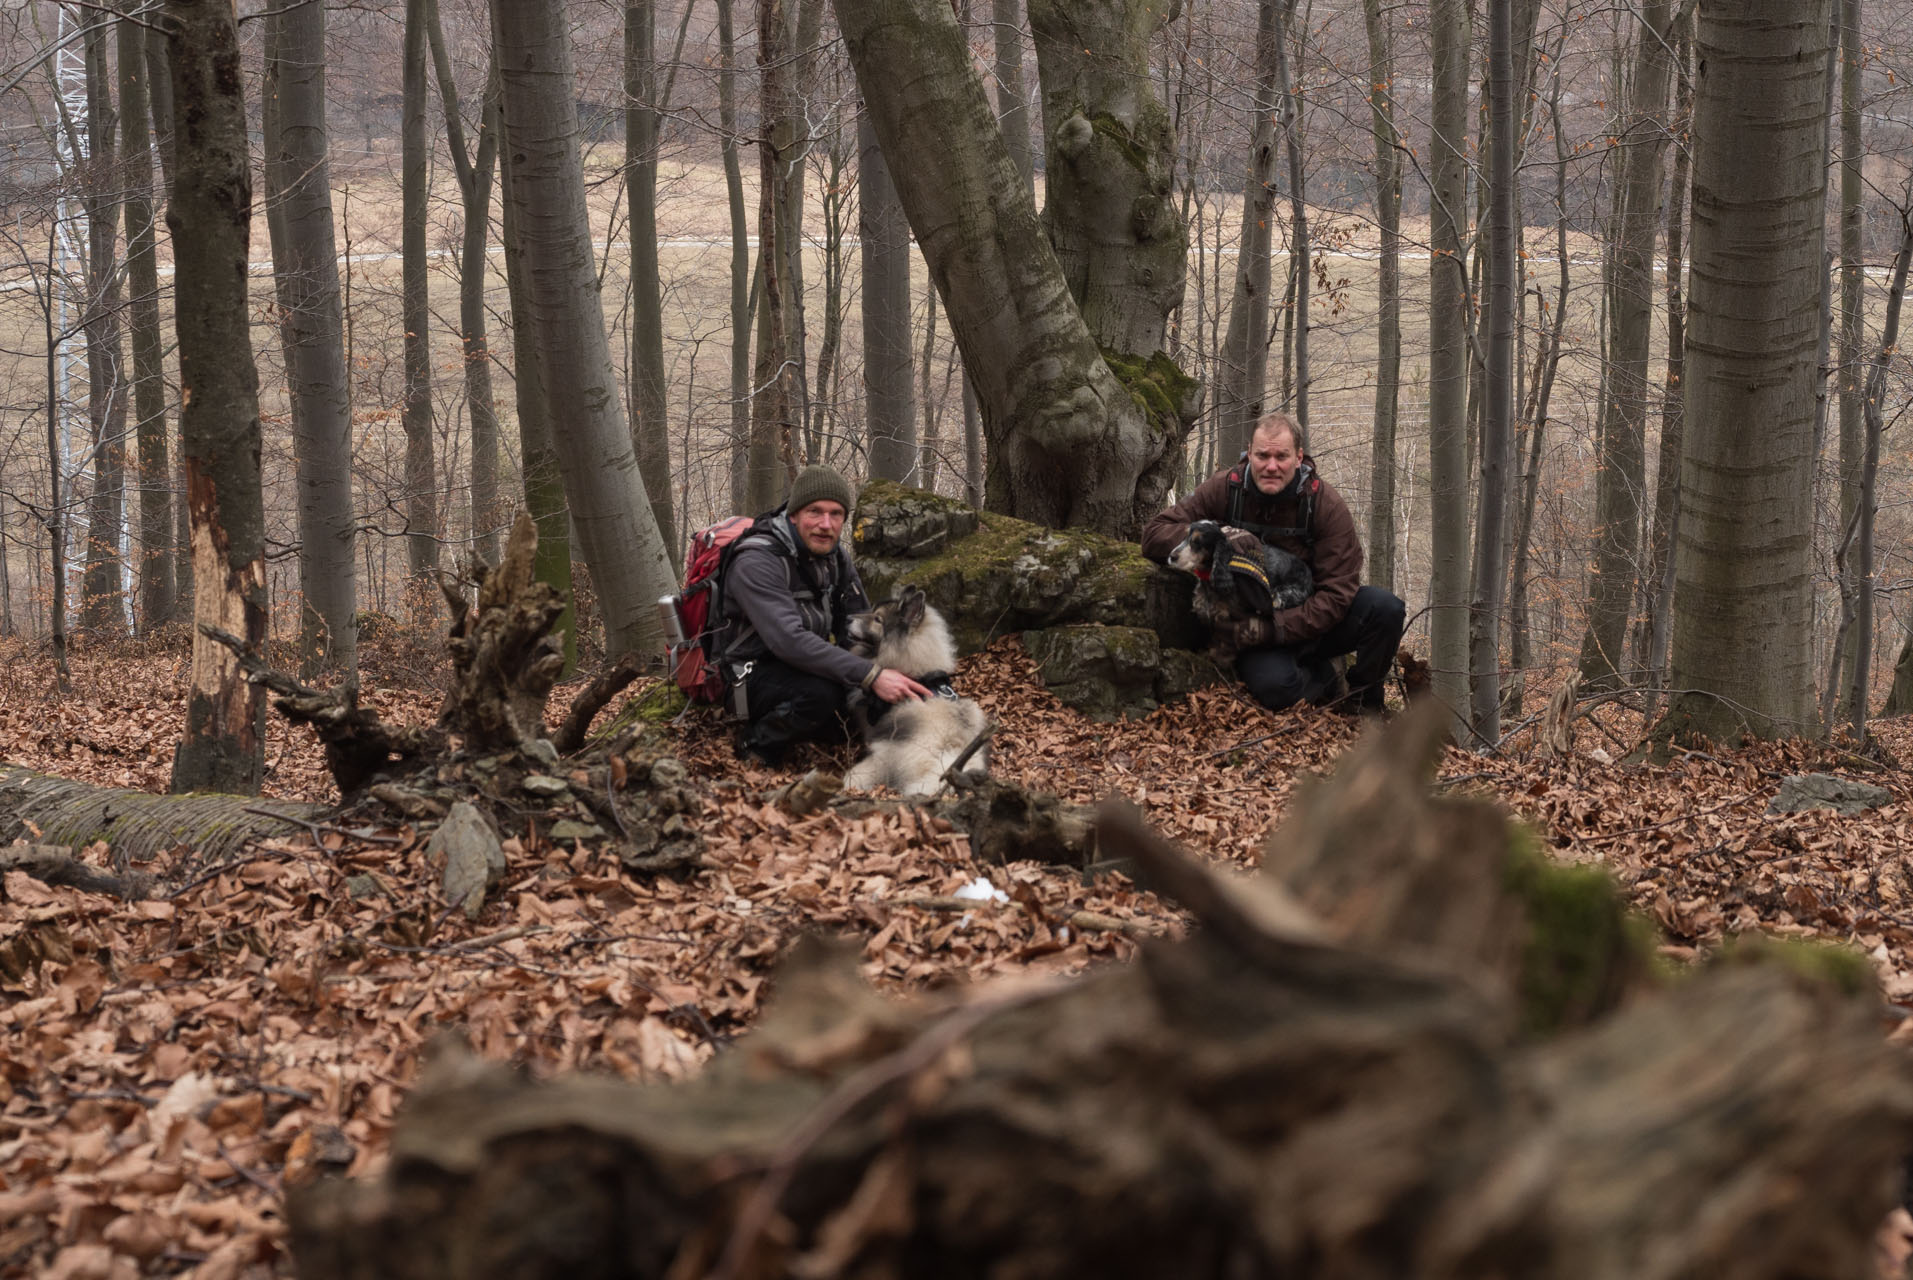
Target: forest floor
[{"x": 168, "y": 1066}]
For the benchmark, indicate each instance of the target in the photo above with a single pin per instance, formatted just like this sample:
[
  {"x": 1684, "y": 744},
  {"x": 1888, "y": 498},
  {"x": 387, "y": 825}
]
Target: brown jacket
[{"x": 1334, "y": 556}]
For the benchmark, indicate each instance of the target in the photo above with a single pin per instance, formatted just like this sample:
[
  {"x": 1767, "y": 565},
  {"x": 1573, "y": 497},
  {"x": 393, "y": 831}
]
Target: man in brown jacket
[{"x": 1274, "y": 495}]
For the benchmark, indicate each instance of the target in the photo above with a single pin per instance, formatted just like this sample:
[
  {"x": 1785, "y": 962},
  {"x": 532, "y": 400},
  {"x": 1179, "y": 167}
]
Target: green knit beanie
[{"x": 819, "y": 483}]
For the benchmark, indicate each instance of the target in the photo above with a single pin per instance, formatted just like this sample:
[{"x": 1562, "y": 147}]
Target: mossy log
[
  {"x": 1291, "y": 1092},
  {"x": 45, "y": 810}
]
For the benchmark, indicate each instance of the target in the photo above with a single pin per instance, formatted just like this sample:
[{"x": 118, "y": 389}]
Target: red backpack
[{"x": 693, "y": 661}]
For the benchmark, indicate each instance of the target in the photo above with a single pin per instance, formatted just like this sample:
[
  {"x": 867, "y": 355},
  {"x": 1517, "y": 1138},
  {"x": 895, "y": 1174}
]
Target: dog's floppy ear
[{"x": 913, "y": 603}]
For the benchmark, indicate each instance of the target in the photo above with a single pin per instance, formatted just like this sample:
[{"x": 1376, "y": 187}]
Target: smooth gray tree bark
[
  {"x": 650, "y": 429},
  {"x": 474, "y": 174},
  {"x": 311, "y": 329},
  {"x": 159, "y": 88},
  {"x": 1243, "y": 365},
  {"x": 1743, "y": 593},
  {"x": 1448, "y": 322},
  {"x": 223, "y": 748},
  {"x": 1388, "y": 291},
  {"x": 421, "y": 479},
  {"x": 103, "y": 586},
  {"x": 742, "y": 292},
  {"x": 157, "y": 555},
  {"x": 1621, "y": 469},
  {"x": 545, "y": 184},
  {"x": 1497, "y": 417},
  {"x": 1012, "y": 94},
  {"x": 890, "y": 403},
  {"x": 1852, "y": 318}
]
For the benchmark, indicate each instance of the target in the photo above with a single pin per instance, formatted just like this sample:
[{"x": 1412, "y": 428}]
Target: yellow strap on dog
[{"x": 1253, "y": 566}]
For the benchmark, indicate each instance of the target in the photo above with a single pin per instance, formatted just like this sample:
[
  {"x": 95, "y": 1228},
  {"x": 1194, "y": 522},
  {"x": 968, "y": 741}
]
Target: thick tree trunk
[
  {"x": 159, "y": 84},
  {"x": 537, "y": 448},
  {"x": 1243, "y": 364},
  {"x": 311, "y": 326},
  {"x": 103, "y": 588},
  {"x": 1743, "y": 599},
  {"x": 1443, "y": 1079},
  {"x": 650, "y": 429},
  {"x": 209, "y": 218},
  {"x": 1069, "y": 443},
  {"x": 1448, "y": 322},
  {"x": 629, "y": 568},
  {"x": 1621, "y": 470},
  {"x": 890, "y": 403},
  {"x": 1388, "y": 300},
  {"x": 772, "y": 460},
  {"x": 149, "y": 387}
]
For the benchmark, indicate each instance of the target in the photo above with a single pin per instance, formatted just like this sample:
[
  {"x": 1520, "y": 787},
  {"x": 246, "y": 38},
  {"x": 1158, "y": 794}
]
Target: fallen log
[
  {"x": 44, "y": 810},
  {"x": 1289, "y": 1092}
]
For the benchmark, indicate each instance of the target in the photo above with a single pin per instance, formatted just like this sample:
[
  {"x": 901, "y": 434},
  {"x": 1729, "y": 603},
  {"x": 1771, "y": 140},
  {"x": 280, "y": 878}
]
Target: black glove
[{"x": 1233, "y": 635}]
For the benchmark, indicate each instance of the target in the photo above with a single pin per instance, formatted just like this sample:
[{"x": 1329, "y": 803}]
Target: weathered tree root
[{"x": 1292, "y": 1092}]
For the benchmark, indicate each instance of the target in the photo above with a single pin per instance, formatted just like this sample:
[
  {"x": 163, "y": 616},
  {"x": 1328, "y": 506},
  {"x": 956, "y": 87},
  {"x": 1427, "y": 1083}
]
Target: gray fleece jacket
[{"x": 777, "y": 601}]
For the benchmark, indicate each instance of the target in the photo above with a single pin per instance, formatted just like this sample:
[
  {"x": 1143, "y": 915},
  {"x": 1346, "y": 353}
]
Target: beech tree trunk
[
  {"x": 1621, "y": 469},
  {"x": 209, "y": 217},
  {"x": 1069, "y": 442},
  {"x": 103, "y": 587},
  {"x": 1743, "y": 596},
  {"x": 1243, "y": 365},
  {"x": 156, "y": 583},
  {"x": 890, "y": 402},
  {"x": 545, "y": 182},
  {"x": 1448, "y": 323},
  {"x": 475, "y": 192},
  {"x": 311, "y": 326},
  {"x": 1388, "y": 286},
  {"x": 421, "y": 478},
  {"x": 650, "y": 428},
  {"x": 1405, "y": 1049}
]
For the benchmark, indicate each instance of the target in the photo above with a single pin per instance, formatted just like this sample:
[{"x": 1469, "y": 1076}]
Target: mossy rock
[
  {"x": 1111, "y": 673},
  {"x": 1585, "y": 950},
  {"x": 1008, "y": 575}
]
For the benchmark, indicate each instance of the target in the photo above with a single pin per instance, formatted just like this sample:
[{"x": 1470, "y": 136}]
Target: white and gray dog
[{"x": 909, "y": 745}]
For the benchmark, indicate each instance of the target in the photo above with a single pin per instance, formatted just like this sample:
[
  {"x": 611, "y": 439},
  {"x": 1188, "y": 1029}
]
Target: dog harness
[{"x": 937, "y": 682}]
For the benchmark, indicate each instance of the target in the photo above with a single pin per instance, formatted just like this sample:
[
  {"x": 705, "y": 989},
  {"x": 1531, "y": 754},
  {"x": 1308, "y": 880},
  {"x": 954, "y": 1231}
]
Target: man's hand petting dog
[{"x": 894, "y": 686}]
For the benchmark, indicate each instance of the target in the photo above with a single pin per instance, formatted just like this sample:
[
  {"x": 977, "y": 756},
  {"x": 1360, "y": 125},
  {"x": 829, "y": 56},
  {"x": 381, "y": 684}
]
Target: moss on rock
[{"x": 1585, "y": 950}]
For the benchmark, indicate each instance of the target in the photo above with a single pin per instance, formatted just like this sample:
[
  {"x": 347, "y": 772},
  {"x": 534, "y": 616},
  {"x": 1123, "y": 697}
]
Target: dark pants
[
  {"x": 1280, "y": 677},
  {"x": 784, "y": 706}
]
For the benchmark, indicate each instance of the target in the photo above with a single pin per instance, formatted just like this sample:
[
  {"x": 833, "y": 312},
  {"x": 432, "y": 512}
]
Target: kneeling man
[
  {"x": 786, "y": 600},
  {"x": 1274, "y": 495}
]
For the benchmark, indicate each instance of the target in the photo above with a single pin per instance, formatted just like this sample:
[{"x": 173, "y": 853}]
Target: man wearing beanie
[{"x": 786, "y": 596}]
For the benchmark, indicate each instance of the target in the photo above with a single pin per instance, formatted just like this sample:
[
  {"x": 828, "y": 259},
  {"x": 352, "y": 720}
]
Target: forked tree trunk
[
  {"x": 545, "y": 184},
  {"x": 1406, "y": 1049},
  {"x": 1069, "y": 442},
  {"x": 224, "y": 744}
]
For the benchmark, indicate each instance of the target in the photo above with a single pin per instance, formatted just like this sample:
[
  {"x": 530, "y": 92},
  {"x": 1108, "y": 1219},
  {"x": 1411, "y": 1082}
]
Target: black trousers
[
  {"x": 1279, "y": 676},
  {"x": 784, "y": 705}
]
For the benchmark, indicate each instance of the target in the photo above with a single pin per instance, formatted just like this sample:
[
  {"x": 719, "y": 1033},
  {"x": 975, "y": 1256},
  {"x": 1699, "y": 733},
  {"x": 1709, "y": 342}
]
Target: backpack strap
[{"x": 1303, "y": 532}]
